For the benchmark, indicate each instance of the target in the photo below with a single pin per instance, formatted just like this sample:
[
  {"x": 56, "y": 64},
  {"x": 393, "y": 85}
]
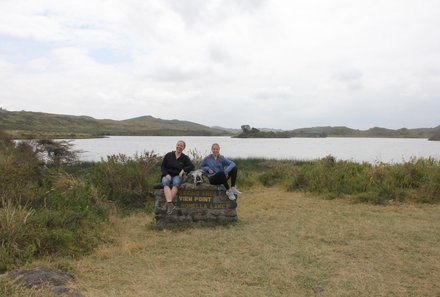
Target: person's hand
[
  {"x": 211, "y": 171},
  {"x": 181, "y": 173},
  {"x": 168, "y": 176}
]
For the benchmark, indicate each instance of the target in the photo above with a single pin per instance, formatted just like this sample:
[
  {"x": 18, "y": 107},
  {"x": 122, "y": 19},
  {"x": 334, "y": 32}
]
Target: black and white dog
[{"x": 197, "y": 176}]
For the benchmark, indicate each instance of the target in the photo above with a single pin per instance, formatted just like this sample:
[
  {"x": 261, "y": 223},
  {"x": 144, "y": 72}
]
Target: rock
[
  {"x": 42, "y": 276},
  {"x": 60, "y": 290},
  {"x": 39, "y": 277},
  {"x": 318, "y": 289},
  {"x": 196, "y": 203}
]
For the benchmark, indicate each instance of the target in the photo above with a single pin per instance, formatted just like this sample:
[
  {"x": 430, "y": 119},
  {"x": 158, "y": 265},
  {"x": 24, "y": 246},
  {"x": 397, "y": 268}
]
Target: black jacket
[{"x": 172, "y": 166}]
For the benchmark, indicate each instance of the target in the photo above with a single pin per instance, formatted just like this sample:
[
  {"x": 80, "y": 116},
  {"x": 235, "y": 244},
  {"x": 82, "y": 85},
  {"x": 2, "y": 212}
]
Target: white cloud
[{"x": 267, "y": 63}]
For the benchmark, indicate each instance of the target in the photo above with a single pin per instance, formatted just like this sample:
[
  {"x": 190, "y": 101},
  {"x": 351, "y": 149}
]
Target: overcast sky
[{"x": 268, "y": 63}]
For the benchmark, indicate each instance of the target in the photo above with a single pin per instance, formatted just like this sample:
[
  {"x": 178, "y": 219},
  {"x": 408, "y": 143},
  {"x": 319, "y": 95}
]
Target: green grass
[
  {"x": 52, "y": 210},
  {"x": 285, "y": 244},
  {"x": 417, "y": 180}
]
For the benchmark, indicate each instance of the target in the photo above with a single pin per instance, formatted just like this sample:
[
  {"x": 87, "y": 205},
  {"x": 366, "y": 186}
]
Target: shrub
[
  {"x": 44, "y": 211},
  {"x": 277, "y": 174},
  {"x": 330, "y": 176},
  {"x": 196, "y": 157},
  {"x": 56, "y": 152},
  {"x": 14, "y": 231},
  {"x": 21, "y": 172},
  {"x": 125, "y": 180},
  {"x": 416, "y": 180}
]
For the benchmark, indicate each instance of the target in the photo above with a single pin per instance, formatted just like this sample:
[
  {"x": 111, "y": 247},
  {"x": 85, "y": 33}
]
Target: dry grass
[
  {"x": 286, "y": 244},
  {"x": 8, "y": 289}
]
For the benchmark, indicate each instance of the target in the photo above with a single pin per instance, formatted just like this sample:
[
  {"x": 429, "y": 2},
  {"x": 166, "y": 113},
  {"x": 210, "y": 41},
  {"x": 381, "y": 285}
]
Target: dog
[{"x": 197, "y": 176}]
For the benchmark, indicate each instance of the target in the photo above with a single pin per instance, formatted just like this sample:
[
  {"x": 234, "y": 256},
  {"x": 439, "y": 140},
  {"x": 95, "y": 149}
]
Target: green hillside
[
  {"x": 37, "y": 124},
  {"x": 25, "y": 124},
  {"x": 372, "y": 132},
  {"x": 341, "y": 131}
]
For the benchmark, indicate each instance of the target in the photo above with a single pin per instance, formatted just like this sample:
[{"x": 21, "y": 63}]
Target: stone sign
[
  {"x": 196, "y": 203},
  {"x": 198, "y": 198}
]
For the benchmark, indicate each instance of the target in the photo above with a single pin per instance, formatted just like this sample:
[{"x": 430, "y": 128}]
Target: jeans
[{"x": 175, "y": 181}]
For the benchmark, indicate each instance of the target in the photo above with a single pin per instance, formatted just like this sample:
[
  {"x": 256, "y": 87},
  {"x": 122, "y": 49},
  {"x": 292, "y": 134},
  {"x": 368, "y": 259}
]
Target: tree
[
  {"x": 246, "y": 128},
  {"x": 255, "y": 130},
  {"x": 56, "y": 152}
]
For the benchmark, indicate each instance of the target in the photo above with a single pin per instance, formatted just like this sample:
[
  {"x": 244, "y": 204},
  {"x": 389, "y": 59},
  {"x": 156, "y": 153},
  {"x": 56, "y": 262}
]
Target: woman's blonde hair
[{"x": 184, "y": 144}]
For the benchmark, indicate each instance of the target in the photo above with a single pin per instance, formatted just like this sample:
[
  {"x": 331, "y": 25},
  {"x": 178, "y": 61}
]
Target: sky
[{"x": 282, "y": 64}]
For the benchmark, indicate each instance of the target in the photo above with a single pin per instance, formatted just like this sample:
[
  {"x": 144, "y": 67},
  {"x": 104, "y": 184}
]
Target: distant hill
[
  {"x": 26, "y": 124},
  {"x": 37, "y": 124},
  {"x": 435, "y": 136},
  {"x": 341, "y": 131}
]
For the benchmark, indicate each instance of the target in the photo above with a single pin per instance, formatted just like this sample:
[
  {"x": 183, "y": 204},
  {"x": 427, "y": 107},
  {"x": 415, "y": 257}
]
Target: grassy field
[
  {"x": 286, "y": 244},
  {"x": 376, "y": 235}
]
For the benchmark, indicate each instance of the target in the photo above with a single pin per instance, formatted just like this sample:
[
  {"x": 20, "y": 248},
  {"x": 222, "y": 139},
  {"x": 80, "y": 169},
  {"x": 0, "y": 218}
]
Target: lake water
[{"x": 388, "y": 150}]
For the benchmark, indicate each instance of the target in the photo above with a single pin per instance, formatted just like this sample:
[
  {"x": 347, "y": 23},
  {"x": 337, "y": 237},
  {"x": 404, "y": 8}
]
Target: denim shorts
[{"x": 176, "y": 181}]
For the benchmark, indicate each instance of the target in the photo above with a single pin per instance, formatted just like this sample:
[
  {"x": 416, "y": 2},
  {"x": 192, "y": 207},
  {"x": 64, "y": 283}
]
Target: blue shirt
[{"x": 217, "y": 165}]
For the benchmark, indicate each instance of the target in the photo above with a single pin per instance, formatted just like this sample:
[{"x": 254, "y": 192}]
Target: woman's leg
[
  {"x": 219, "y": 179},
  {"x": 166, "y": 189},
  {"x": 233, "y": 175},
  {"x": 177, "y": 181}
]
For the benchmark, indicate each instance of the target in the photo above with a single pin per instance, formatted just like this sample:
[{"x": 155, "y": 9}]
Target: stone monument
[{"x": 196, "y": 203}]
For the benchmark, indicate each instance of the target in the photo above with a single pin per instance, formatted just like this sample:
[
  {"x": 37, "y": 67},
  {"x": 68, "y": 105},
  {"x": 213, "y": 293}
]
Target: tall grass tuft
[
  {"x": 14, "y": 232},
  {"x": 21, "y": 172},
  {"x": 128, "y": 181},
  {"x": 416, "y": 180},
  {"x": 196, "y": 157},
  {"x": 44, "y": 211},
  {"x": 266, "y": 172}
]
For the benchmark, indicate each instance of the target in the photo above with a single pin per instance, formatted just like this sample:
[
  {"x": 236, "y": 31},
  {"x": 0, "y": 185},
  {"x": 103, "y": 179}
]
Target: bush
[
  {"x": 44, "y": 211},
  {"x": 14, "y": 232},
  {"x": 21, "y": 172},
  {"x": 416, "y": 180},
  {"x": 125, "y": 180},
  {"x": 62, "y": 223}
]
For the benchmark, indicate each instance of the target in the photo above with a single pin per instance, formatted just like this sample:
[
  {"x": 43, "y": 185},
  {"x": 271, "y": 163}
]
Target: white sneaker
[
  {"x": 235, "y": 191},
  {"x": 231, "y": 195}
]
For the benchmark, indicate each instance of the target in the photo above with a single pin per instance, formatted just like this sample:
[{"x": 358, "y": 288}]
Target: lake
[{"x": 373, "y": 150}]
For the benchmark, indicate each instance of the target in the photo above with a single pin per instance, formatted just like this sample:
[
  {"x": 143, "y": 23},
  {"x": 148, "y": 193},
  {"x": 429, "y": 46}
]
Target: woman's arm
[
  {"x": 230, "y": 164},
  {"x": 205, "y": 165}
]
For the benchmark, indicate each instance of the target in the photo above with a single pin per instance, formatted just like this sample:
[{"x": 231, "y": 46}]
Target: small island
[{"x": 248, "y": 132}]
